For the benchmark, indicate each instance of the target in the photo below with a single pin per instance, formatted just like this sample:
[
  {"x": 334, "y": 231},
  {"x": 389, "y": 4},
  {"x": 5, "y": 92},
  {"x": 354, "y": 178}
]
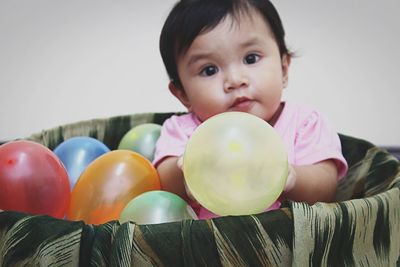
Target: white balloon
[{"x": 235, "y": 164}]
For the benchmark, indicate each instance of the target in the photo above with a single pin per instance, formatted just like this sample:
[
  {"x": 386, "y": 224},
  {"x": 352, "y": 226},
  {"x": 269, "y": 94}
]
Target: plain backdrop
[{"x": 67, "y": 61}]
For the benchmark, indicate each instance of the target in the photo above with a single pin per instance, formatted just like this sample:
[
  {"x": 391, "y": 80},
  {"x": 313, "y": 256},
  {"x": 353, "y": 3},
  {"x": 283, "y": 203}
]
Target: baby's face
[{"x": 234, "y": 67}]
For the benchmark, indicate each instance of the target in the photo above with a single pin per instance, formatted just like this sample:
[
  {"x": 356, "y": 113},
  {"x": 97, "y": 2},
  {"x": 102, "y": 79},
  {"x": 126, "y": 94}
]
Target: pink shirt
[{"x": 307, "y": 135}]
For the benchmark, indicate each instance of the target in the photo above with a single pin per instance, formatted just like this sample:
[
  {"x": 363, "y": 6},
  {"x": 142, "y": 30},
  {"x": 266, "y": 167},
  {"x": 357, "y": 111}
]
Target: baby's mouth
[{"x": 241, "y": 104}]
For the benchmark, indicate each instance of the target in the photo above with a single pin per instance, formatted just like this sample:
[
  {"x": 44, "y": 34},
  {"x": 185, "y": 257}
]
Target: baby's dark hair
[{"x": 189, "y": 18}]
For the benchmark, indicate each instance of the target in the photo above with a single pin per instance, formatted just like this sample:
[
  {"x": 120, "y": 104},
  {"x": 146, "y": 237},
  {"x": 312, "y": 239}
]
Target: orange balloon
[{"x": 109, "y": 183}]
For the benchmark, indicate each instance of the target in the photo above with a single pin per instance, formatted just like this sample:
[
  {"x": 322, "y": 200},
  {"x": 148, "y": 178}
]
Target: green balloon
[
  {"x": 156, "y": 206},
  {"x": 141, "y": 139}
]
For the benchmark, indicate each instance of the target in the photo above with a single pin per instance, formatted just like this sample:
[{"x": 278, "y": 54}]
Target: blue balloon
[{"x": 77, "y": 153}]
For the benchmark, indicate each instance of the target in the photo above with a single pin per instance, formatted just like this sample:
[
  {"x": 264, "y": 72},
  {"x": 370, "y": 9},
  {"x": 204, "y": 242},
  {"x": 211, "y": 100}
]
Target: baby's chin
[{"x": 261, "y": 116}]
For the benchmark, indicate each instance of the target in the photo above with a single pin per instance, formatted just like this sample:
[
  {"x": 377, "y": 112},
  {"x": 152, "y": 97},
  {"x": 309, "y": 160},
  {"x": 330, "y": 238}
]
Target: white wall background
[{"x": 66, "y": 61}]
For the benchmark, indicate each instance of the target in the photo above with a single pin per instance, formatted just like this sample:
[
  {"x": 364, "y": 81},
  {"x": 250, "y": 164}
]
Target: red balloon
[{"x": 32, "y": 180}]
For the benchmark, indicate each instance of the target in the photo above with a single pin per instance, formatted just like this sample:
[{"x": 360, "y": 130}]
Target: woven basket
[{"x": 362, "y": 228}]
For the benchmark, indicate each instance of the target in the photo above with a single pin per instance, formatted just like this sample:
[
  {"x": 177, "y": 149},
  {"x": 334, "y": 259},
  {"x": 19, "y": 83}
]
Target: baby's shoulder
[
  {"x": 302, "y": 114},
  {"x": 308, "y": 118},
  {"x": 185, "y": 122}
]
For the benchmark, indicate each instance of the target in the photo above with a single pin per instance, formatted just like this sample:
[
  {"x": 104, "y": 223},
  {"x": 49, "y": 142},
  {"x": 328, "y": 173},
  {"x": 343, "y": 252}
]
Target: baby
[{"x": 230, "y": 55}]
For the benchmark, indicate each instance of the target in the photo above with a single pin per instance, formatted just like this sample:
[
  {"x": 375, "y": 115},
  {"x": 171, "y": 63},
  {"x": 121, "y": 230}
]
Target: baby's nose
[{"x": 235, "y": 79}]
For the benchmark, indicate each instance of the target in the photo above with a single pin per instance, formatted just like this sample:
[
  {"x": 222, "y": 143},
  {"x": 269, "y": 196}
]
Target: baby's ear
[
  {"x": 286, "y": 59},
  {"x": 180, "y": 93}
]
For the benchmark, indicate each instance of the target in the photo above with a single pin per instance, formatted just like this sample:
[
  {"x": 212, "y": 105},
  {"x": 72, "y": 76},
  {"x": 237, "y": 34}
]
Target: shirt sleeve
[
  {"x": 316, "y": 141},
  {"x": 172, "y": 140}
]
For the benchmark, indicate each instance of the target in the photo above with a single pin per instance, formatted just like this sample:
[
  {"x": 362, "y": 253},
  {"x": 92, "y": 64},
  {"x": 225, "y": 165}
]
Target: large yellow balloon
[
  {"x": 109, "y": 183},
  {"x": 235, "y": 164}
]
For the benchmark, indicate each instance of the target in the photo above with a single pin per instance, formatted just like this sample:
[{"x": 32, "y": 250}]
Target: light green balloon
[
  {"x": 141, "y": 139},
  {"x": 235, "y": 164},
  {"x": 156, "y": 206}
]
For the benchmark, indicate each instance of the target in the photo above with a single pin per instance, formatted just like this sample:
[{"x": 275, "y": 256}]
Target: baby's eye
[
  {"x": 209, "y": 71},
  {"x": 251, "y": 58}
]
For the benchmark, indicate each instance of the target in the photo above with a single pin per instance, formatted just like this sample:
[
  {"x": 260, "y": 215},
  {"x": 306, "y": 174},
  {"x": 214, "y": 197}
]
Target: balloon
[
  {"x": 235, "y": 164},
  {"x": 32, "y": 180},
  {"x": 109, "y": 183},
  {"x": 76, "y": 153},
  {"x": 141, "y": 139},
  {"x": 156, "y": 207}
]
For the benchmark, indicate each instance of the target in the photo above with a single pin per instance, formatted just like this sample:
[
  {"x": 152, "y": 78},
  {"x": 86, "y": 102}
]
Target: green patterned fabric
[{"x": 361, "y": 229}]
